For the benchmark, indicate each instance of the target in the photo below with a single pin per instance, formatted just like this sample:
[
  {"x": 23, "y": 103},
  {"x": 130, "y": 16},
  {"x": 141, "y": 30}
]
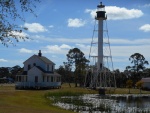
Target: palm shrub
[
  {"x": 129, "y": 84},
  {"x": 139, "y": 85}
]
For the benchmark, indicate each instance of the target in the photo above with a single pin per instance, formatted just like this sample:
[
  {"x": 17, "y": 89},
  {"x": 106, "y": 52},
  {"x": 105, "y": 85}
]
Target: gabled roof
[
  {"x": 146, "y": 79},
  {"x": 35, "y": 67},
  {"x": 43, "y": 70},
  {"x": 44, "y": 59}
]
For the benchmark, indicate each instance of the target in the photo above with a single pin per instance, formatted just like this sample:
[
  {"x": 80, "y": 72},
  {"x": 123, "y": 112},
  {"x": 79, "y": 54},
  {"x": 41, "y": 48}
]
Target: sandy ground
[{"x": 7, "y": 84}]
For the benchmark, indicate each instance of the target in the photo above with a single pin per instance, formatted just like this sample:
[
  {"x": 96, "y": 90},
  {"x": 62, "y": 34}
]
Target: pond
[{"x": 93, "y": 103}]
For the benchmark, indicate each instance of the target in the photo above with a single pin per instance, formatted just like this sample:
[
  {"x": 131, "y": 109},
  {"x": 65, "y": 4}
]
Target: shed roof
[
  {"x": 44, "y": 70},
  {"x": 146, "y": 79}
]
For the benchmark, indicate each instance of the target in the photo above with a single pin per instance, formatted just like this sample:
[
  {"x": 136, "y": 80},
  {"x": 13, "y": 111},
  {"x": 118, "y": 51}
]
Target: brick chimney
[{"x": 39, "y": 54}]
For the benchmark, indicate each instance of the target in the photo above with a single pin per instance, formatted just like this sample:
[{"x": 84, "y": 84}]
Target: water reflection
[
  {"x": 106, "y": 104},
  {"x": 139, "y": 101}
]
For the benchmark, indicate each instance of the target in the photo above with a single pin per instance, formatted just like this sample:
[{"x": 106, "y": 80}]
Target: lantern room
[{"x": 101, "y": 12}]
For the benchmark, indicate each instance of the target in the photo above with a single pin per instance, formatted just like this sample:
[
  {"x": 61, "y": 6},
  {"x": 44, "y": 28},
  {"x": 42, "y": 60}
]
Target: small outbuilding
[
  {"x": 38, "y": 73},
  {"x": 146, "y": 83}
]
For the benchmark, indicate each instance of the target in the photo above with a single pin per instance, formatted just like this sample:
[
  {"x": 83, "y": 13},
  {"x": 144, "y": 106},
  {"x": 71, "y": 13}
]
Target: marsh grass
[
  {"x": 67, "y": 97},
  {"x": 66, "y": 93}
]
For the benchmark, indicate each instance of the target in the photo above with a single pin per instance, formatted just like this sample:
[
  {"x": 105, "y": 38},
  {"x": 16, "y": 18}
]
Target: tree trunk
[
  {"x": 76, "y": 80},
  {"x": 140, "y": 91},
  {"x": 129, "y": 90},
  {"x": 76, "y": 84},
  {"x": 69, "y": 85}
]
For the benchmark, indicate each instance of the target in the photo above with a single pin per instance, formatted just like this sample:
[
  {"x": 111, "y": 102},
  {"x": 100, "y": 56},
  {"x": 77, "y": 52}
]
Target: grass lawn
[{"x": 34, "y": 101}]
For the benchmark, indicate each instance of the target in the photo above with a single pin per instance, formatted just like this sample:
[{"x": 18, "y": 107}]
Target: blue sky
[{"x": 61, "y": 25}]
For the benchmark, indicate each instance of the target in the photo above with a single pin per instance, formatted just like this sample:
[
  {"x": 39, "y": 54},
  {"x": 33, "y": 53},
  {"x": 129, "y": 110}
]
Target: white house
[
  {"x": 38, "y": 73},
  {"x": 146, "y": 83}
]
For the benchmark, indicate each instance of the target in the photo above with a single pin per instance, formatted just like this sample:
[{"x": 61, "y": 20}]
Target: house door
[{"x": 36, "y": 79}]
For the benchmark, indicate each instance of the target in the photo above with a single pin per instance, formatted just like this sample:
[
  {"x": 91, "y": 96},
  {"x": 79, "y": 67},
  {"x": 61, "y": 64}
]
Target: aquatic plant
[{"x": 60, "y": 94}]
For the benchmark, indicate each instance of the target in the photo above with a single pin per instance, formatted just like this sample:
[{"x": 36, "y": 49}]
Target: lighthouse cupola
[{"x": 101, "y": 12}]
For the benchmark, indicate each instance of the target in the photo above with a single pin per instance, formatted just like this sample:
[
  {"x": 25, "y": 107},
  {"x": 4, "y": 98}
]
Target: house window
[
  {"x": 22, "y": 79},
  {"x": 26, "y": 78},
  {"x": 43, "y": 78},
  {"x": 52, "y": 68},
  {"x": 36, "y": 78},
  {"x": 58, "y": 79},
  {"x": 34, "y": 64},
  {"x": 29, "y": 67},
  {"x": 19, "y": 79},
  {"x": 47, "y": 67},
  {"x": 16, "y": 78},
  {"x": 52, "y": 79},
  {"x": 47, "y": 78}
]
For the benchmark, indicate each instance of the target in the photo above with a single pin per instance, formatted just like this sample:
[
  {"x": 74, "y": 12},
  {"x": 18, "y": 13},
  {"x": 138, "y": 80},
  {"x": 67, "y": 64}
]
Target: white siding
[
  {"x": 35, "y": 72},
  {"x": 36, "y": 77},
  {"x": 146, "y": 85},
  {"x": 146, "y": 82},
  {"x": 32, "y": 60},
  {"x": 38, "y": 62},
  {"x": 51, "y": 67}
]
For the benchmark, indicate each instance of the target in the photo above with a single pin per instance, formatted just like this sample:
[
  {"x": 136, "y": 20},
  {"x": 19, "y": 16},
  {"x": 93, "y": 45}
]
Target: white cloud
[
  {"x": 56, "y": 49},
  {"x": 84, "y": 48},
  {"x": 64, "y": 46},
  {"x": 140, "y": 41},
  {"x": 50, "y": 26},
  {"x": 76, "y": 22},
  {"x": 118, "y": 52},
  {"x": 24, "y": 50},
  {"x": 38, "y": 38},
  {"x": 126, "y": 51},
  {"x": 91, "y": 11},
  {"x": 20, "y": 36},
  {"x": 130, "y": 42},
  {"x": 74, "y": 40},
  {"x": 35, "y": 27},
  {"x": 146, "y": 5},
  {"x": 145, "y": 28},
  {"x": 3, "y": 60},
  {"x": 117, "y": 13},
  {"x": 124, "y": 48},
  {"x": 120, "y": 59}
]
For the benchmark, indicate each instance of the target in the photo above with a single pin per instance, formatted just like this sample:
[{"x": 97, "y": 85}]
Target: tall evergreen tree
[
  {"x": 77, "y": 60},
  {"x": 136, "y": 70},
  {"x": 138, "y": 61}
]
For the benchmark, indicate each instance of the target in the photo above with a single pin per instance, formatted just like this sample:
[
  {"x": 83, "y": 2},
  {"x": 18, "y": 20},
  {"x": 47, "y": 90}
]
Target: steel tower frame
[{"x": 100, "y": 74}]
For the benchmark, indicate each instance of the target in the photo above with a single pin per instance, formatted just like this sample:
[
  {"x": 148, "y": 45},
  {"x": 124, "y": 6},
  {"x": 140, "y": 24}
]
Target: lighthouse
[
  {"x": 100, "y": 73},
  {"x": 101, "y": 16}
]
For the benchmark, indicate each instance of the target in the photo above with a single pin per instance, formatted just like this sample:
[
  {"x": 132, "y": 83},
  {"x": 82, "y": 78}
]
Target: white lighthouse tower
[
  {"x": 100, "y": 73},
  {"x": 100, "y": 17}
]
